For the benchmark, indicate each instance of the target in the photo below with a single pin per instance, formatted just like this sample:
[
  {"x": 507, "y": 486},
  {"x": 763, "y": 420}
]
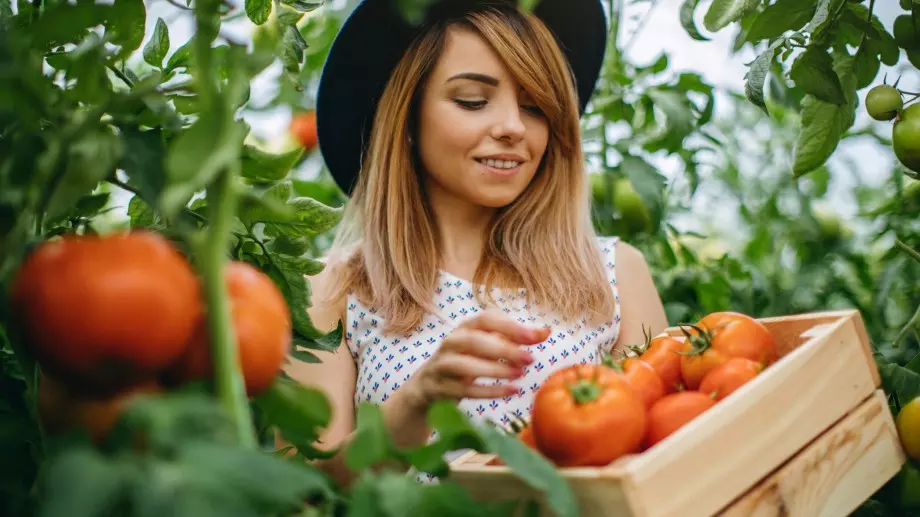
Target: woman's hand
[{"x": 488, "y": 345}]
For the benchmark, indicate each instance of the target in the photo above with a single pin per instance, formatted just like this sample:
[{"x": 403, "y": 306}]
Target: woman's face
[{"x": 480, "y": 136}]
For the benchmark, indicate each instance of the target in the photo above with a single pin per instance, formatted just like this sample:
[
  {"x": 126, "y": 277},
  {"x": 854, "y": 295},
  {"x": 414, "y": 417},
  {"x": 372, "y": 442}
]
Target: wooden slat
[{"x": 834, "y": 474}]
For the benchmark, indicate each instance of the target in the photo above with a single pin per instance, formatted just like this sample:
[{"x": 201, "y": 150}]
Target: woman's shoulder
[
  {"x": 619, "y": 252},
  {"x": 327, "y": 300}
]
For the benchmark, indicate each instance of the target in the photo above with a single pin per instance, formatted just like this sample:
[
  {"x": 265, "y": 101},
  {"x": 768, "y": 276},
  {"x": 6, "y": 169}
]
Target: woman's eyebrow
[{"x": 473, "y": 76}]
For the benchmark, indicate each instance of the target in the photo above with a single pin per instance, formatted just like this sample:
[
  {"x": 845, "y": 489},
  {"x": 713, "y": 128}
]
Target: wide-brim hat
[{"x": 373, "y": 39}]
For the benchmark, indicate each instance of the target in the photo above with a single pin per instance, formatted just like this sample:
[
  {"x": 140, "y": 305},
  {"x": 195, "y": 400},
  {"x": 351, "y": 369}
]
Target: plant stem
[
  {"x": 914, "y": 321},
  {"x": 907, "y": 249},
  {"x": 228, "y": 382}
]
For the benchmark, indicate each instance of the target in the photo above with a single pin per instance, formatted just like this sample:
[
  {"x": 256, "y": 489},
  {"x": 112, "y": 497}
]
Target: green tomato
[
  {"x": 632, "y": 210},
  {"x": 884, "y": 102},
  {"x": 905, "y": 138}
]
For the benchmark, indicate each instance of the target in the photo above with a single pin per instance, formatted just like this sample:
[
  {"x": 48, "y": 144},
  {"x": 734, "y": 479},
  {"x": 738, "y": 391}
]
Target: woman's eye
[
  {"x": 470, "y": 105},
  {"x": 534, "y": 109}
]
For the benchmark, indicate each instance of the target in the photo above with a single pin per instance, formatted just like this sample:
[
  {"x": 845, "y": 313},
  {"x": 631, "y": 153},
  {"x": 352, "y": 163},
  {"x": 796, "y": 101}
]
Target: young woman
[{"x": 466, "y": 268}]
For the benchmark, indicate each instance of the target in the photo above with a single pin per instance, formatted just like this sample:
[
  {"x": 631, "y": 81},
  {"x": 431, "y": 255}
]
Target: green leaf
[
  {"x": 822, "y": 12},
  {"x": 371, "y": 444},
  {"x": 6, "y": 13},
  {"x": 755, "y": 77},
  {"x": 156, "y": 49},
  {"x": 288, "y": 276},
  {"x": 197, "y": 155},
  {"x": 141, "y": 215},
  {"x": 258, "y": 10},
  {"x": 687, "y": 10},
  {"x": 900, "y": 381},
  {"x": 303, "y": 6},
  {"x": 649, "y": 184},
  {"x": 310, "y": 217},
  {"x": 299, "y": 412},
  {"x": 89, "y": 161},
  {"x": 814, "y": 73},
  {"x": 90, "y": 205},
  {"x": 271, "y": 482},
  {"x": 293, "y": 47},
  {"x": 533, "y": 469},
  {"x": 261, "y": 166},
  {"x": 126, "y": 22},
  {"x": 723, "y": 12},
  {"x": 82, "y": 483},
  {"x": 143, "y": 161},
  {"x": 295, "y": 247},
  {"x": 679, "y": 117},
  {"x": 180, "y": 58},
  {"x": 824, "y": 123},
  {"x": 779, "y": 17},
  {"x": 62, "y": 23}
]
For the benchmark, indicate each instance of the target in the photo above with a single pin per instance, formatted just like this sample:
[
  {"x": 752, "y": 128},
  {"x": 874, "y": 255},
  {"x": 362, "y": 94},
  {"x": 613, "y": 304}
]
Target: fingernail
[
  {"x": 517, "y": 373},
  {"x": 527, "y": 358}
]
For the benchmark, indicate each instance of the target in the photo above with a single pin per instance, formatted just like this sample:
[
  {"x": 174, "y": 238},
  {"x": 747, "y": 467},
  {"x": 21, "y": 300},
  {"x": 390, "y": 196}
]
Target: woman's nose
[{"x": 509, "y": 125}]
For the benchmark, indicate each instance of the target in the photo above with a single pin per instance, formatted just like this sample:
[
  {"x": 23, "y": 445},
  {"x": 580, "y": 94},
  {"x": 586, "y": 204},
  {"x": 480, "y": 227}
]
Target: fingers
[
  {"x": 485, "y": 345},
  {"x": 496, "y": 321},
  {"x": 457, "y": 389},
  {"x": 460, "y": 366}
]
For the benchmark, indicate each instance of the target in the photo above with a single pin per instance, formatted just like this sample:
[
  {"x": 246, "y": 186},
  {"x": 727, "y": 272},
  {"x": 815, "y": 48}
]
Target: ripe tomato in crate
[{"x": 811, "y": 435}]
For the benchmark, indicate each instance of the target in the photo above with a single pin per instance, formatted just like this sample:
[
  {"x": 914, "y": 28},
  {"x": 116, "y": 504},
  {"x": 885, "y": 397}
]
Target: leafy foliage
[{"x": 104, "y": 126}]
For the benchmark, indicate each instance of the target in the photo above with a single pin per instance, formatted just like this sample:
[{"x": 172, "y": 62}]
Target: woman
[{"x": 466, "y": 268}]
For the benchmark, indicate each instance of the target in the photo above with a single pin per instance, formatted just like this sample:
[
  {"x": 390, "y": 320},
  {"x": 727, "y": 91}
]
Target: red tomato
[
  {"x": 663, "y": 355},
  {"x": 643, "y": 379},
  {"x": 587, "y": 415},
  {"x": 724, "y": 380},
  {"x": 739, "y": 335},
  {"x": 695, "y": 366},
  {"x": 674, "y": 411}
]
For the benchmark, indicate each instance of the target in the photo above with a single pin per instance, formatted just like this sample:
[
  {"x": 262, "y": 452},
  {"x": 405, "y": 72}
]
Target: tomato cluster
[
  {"x": 110, "y": 317},
  {"x": 591, "y": 415}
]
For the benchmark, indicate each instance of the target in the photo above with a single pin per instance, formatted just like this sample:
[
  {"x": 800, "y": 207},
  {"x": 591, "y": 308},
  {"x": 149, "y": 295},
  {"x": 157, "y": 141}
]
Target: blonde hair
[{"x": 387, "y": 249}]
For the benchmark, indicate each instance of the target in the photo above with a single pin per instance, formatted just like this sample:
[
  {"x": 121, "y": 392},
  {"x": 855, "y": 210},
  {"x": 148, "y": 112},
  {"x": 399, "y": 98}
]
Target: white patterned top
[{"x": 385, "y": 362}]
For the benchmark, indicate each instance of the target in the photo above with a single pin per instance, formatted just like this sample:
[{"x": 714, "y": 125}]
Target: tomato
[
  {"x": 62, "y": 410},
  {"x": 908, "y": 424},
  {"x": 738, "y": 335},
  {"x": 722, "y": 381},
  {"x": 643, "y": 378},
  {"x": 695, "y": 367},
  {"x": 630, "y": 206},
  {"x": 663, "y": 354},
  {"x": 526, "y": 436},
  {"x": 303, "y": 128},
  {"x": 674, "y": 411},
  {"x": 587, "y": 415},
  {"x": 262, "y": 323},
  {"x": 905, "y": 137},
  {"x": 884, "y": 102},
  {"x": 106, "y": 311}
]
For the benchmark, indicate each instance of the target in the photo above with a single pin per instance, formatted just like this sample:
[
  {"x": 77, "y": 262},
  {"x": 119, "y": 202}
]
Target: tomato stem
[
  {"x": 585, "y": 391},
  {"x": 228, "y": 382}
]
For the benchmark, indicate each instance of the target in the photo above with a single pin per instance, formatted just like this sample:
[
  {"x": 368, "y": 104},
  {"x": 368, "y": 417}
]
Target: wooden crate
[{"x": 811, "y": 436}]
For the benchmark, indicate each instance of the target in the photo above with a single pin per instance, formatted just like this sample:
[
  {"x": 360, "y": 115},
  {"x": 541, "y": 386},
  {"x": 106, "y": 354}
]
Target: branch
[{"x": 121, "y": 75}]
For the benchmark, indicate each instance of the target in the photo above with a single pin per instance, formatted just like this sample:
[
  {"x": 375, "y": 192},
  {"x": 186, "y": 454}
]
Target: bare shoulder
[
  {"x": 630, "y": 258},
  {"x": 326, "y": 310}
]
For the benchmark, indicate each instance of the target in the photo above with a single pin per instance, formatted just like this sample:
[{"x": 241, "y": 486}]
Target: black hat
[{"x": 376, "y": 35}]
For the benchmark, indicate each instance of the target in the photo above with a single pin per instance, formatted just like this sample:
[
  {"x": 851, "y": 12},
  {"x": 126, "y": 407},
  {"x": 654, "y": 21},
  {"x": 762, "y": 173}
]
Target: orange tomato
[
  {"x": 643, "y": 379},
  {"x": 724, "y": 380},
  {"x": 106, "y": 312},
  {"x": 674, "y": 411},
  {"x": 587, "y": 415},
  {"x": 526, "y": 436},
  {"x": 739, "y": 335},
  {"x": 262, "y": 322},
  {"x": 662, "y": 354},
  {"x": 695, "y": 367},
  {"x": 63, "y": 410},
  {"x": 303, "y": 128}
]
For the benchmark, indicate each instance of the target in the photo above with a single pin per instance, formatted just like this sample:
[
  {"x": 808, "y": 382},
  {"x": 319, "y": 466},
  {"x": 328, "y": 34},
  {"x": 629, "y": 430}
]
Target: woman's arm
[{"x": 640, "y": 303}]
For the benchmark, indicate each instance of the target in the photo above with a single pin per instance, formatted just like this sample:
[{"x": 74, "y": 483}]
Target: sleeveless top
[{"x": 385, "y": 362}]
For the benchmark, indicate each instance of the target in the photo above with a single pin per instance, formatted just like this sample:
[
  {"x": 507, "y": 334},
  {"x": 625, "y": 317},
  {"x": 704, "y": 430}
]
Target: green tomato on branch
[{"x": 905, "y": 137}]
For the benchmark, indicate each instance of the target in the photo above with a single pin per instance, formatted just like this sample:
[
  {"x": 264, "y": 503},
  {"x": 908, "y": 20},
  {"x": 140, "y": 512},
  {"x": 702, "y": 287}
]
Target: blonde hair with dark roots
[{"x": 387, "y": 248}]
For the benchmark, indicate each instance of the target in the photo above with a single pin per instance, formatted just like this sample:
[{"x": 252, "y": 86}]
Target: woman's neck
[{"x": 463, "y": 228}]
